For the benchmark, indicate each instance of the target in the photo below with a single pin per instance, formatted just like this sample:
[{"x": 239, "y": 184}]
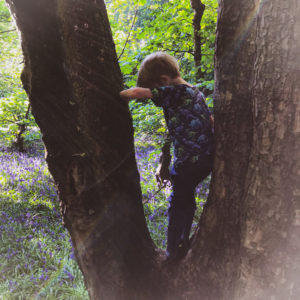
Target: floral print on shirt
[{"x": 188, "y": 121}]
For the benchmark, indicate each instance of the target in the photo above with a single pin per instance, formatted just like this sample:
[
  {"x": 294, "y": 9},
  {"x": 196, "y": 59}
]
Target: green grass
[
  {"x": 36, "y": 259},
  {"x": 36, "y": 255}
]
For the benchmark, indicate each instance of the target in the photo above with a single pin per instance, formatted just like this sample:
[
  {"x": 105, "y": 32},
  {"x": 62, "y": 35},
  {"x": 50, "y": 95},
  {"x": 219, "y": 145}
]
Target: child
[{"x": 189, "y": 124}]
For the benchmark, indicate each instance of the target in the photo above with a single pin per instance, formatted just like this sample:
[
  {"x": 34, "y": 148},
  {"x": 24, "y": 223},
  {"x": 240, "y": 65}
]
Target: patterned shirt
[{"x": 188, "y": 121}]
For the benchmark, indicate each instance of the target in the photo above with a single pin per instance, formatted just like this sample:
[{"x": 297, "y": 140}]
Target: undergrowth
[{"x": 36, "y": 254}]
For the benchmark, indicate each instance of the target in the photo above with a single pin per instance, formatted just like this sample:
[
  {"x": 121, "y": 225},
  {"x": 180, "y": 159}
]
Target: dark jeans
[{"x": 184, "y": 179}]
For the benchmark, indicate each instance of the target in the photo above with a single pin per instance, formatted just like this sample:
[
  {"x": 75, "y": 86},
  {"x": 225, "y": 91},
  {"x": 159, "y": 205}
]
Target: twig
[
  {"x": 7, "y": 31},
  {"x": 9, "y": 121},
  {"x": 187, "y": 51},
  {"x": 180, "y": 51},
  {"x": 211, "y": 7},
  {"x": 160, "y": 188},
  {"x": 133, "y": 22},
  {"x": 28, "y": 111}
]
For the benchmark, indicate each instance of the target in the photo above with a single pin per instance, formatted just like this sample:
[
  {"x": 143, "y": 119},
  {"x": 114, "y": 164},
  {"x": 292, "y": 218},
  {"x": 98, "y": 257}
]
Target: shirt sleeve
[
  {"x": 160, "y": 94},
  {"x": 156, "y": 96},
  {"x": 203, "y": 103}
]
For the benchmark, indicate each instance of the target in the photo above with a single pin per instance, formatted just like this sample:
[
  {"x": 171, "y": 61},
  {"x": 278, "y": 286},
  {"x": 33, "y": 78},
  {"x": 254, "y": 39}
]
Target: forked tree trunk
[{"x": 247, "y": 244}]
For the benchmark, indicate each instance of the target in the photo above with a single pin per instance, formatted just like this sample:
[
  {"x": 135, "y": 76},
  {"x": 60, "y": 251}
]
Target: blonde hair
[{"x": 155, "y": 65}]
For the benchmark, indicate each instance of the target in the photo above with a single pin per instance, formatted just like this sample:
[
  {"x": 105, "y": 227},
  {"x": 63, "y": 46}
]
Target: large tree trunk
[
  {"x": 73, "y": 80},
  {"x": 247, "y": 244}
]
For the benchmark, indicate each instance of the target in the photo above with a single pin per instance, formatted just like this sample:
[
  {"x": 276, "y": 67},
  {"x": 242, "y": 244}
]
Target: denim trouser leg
[
  {"x": 182, "y": 203},
  {"x": 181, "y": 213}
]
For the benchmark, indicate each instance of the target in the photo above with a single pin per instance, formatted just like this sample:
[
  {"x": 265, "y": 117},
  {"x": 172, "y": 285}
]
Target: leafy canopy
[{"x": 141, "y": 27}]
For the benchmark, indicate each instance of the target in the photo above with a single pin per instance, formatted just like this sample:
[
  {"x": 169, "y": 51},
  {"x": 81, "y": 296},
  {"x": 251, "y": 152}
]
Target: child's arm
[
  {"x": 162, "y": 173},
  {"x": 136, "y": 93}
]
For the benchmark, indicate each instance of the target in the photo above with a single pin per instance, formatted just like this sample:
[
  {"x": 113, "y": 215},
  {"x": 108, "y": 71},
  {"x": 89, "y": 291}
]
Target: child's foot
[
  {"x": 178, "y": 254},
  {"x": 183, "y": 249}
]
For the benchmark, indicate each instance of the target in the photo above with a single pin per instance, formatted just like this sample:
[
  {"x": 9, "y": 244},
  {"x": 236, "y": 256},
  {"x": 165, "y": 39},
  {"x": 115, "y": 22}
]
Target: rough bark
[
  {"x": 252, "y": 214},
  {"x": 247, "y": 244},
  {"x": 73, "y": 80}
]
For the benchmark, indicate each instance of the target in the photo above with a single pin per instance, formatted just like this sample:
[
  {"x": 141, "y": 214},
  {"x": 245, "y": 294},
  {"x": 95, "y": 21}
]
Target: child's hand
[
  {"x": 162, "y": 173},
  {"x": 125, "y": 95}
]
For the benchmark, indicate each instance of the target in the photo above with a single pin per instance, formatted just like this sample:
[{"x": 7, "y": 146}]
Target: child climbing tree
[{"x": 247, "y": 245}]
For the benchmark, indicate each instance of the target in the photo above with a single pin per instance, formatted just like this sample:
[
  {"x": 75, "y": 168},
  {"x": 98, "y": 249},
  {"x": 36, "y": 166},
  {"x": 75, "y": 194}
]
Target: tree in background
[
  {"x": 198, "y": 8},
  {"x": 15, "y": 115},
  {"x": 137, "y": 30},
  {"x": 142, "y": 27},
  {"x": 246, "y": 245}
]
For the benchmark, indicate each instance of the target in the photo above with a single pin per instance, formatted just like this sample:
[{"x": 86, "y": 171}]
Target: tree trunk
[
  {"x": 198, "y": 8},
  {"x": 73, "y": 80},
  {"x": 247, "y": 243},
  {"x": 19, "y": 143}
]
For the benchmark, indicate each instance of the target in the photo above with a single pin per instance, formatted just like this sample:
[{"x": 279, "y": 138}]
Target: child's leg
[
  {"x": 182, "y": 204},
  {"x": 180, "y": 213}
]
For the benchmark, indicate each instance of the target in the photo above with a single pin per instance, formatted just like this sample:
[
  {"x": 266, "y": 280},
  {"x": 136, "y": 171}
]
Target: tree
[
  {"x": 246, "y": 245},
  {"x": 142, "y": 27},
  {"x": 199, "y": 8},
  {"x": 15, "y": 115}
]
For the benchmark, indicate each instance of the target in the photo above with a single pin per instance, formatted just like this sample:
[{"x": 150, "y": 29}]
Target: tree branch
[
  {"x": 8, "y": 121},
  {"x": 28, "y": 111},
  {"x": 8, "y": 31},
  {"x": 133, "y": 22},
  {"x": 199, "y": 8},
  {"x": 180, "y": 51}
]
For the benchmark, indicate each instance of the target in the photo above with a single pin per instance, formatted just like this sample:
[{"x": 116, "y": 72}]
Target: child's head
[{"x": 154, "y": 66}]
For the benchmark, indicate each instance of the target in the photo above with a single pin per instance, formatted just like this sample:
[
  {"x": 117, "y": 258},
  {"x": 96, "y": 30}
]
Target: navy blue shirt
[{"x": 188, "y": 121}]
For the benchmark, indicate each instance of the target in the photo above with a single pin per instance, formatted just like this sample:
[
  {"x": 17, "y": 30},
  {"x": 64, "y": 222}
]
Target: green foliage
[
  {"x": 13, "y": 99},
  {"x": 13, "y": 111},
  {"x": 36, "y": 255},
  {"x": 139, "y": 27},
  {"x": 142, "y": 27},
  {"x": 148, "y": 122}
]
